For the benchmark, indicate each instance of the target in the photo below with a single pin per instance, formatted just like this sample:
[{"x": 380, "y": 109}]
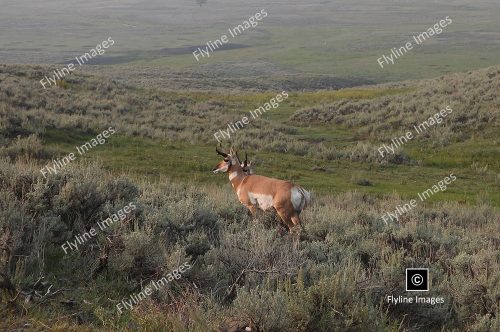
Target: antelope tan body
[{"x": 261, "y": 192}]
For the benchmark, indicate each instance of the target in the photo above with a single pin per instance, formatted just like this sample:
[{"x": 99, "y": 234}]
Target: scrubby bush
[
  {"x": 189, "y": 117},
  {"x": 244, "y": 274}
]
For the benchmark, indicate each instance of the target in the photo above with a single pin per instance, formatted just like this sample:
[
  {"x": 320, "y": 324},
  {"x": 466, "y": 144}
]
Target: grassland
[
  {"x": 324, "y": 140},
  {"x": 474, "y": 160},
  {"x": 165, "y": 107},
  {"x": 183, "y": 161},
  {"x": 340, "y": 40},
  {"x": 244, "y": 273}
]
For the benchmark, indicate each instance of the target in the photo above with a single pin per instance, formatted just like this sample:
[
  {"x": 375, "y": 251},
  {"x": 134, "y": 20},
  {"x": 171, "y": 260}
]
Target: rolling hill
[{"x": 242, "y": 273}]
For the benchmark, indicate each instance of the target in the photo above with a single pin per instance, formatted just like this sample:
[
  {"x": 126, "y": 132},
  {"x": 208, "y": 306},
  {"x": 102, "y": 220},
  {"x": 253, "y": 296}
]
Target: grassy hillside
[
  {"x": 243, "y": 273},
  {"x": 325, "y": 140}
]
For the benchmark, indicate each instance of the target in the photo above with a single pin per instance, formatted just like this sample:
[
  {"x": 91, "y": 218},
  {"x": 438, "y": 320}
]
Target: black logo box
[{"x": 417, "y": 279}]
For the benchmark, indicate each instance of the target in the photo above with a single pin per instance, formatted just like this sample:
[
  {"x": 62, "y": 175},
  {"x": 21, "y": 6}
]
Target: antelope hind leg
[{"x": 286, "y": 219}]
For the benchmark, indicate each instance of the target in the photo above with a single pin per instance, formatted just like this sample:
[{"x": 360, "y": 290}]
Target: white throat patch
[{"x": 232, "y": 175}]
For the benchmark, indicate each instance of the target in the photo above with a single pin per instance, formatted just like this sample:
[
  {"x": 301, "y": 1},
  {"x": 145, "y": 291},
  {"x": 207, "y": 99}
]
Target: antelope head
[
  {"x": 230, "y": 160},
  {"x": 247, "y": 166}
]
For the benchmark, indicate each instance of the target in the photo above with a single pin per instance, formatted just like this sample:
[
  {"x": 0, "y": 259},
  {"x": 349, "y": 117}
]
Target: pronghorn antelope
[
  {"x": 246, "y": 166},
  {"x": 260, "y": 192}
]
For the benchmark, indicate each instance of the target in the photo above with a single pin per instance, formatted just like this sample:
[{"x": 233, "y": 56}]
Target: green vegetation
[
  {"x": 165, "y": 107},
  {"x": 244, "y": 273},
  {"x": 318, "y": 139},
  {"x": 329, "y": 44}
]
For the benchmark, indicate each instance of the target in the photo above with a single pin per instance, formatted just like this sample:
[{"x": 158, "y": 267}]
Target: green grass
[
  {"x": 193, "y": 163},
  {"x": 473, "y": 161}
]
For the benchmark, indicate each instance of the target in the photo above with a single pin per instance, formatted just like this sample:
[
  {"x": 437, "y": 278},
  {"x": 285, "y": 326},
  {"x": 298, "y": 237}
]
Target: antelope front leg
[{"x": 253, "y": 210}]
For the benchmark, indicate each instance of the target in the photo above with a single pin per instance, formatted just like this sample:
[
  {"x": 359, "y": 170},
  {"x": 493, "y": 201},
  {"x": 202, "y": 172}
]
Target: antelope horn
[
  {"x": 246, "y": 159},
  {"x": 222, "y": 153}
]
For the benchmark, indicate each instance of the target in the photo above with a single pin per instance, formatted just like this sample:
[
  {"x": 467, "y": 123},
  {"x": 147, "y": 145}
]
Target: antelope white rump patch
[
  {"x": 299, "y": 198},
  {"x": 263, "y": 201}
]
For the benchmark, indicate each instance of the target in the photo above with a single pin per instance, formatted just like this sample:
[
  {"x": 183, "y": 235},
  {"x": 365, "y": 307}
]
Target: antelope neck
[{"x": 235, "y": 177}]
